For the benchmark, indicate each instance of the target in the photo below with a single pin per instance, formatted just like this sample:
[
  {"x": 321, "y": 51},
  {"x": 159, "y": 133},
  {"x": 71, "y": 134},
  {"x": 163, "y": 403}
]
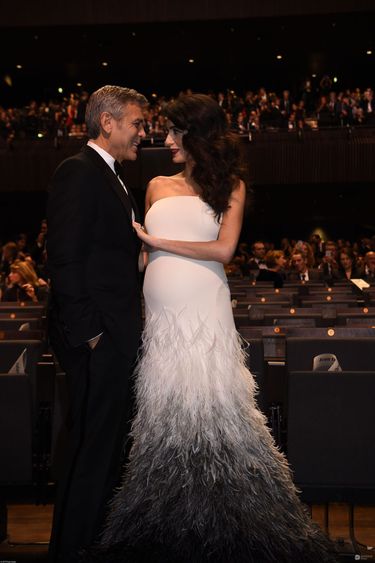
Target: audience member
[
  {"x": 24, "y": 284},
  {"x": 369, "y": 267},
  {"x": 257, "y": 261},
  {"x": 275, "y": 272},
  {"x": 347, "y": 265},
  {"x": 306, "y": 249},
  {"x": 9, "y": 255},
  {"x": 329, "y": 263},
  {"x": 299, "y": 268}
]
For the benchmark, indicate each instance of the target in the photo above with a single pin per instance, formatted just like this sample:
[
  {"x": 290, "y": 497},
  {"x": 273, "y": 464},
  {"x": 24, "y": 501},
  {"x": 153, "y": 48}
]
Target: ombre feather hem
[{"x": 205, "y": 482}]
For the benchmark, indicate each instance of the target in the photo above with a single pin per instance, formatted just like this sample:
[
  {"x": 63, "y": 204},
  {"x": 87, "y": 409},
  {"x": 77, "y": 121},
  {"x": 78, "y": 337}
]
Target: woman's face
[
  {"x": 174, "y": 143},
  {"x": 346, "y": 261},
  {"x": 15, "y": 278},
  {"x": 281, "y": 261}
]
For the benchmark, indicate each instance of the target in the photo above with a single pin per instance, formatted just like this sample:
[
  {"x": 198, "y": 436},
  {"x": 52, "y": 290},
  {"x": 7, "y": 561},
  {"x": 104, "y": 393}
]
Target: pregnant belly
[{"x": 171, "y": 279}]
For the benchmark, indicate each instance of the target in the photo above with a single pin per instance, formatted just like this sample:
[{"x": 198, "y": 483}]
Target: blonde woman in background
[{"x": 24, "y": 284}]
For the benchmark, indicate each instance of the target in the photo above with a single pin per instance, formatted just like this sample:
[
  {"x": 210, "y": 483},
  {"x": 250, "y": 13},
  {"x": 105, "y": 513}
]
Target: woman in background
[
  {"x": 24, "y": 284},
  {"x": 275, "y": 262},
  {"x": 348, "y": 268}
]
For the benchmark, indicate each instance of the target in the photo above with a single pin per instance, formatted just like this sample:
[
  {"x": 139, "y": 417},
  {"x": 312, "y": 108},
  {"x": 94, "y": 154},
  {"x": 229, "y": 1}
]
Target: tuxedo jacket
[
  {"x": 314, "y": 275},
  {"x": 93, "y": 254}
]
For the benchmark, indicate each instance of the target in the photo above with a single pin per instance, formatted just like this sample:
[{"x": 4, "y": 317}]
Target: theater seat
[
  {"x": 352, "y": 353},
  {"x": 15, "y": 429},
  {"x": 331, "y": 434}
]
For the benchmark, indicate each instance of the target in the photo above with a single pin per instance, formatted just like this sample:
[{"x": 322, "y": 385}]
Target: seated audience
[
  {"x": 348, "y": 267},
  {"x": 9, "y": 255},
  {"x": 24, "y": 284},
  {"x": 241, "y": 259},
  {"x": 246, "y": 113},
  {"x": 306, "y": 249},
  {"x": 257, "y": 261},
  {"x": 286, "y": 247},
  {"x": 275, "y": 272},
  {"x": 329, "y": 262},
  {"x": 299, "y": 269},
  {"x": 369, "y": 268}
]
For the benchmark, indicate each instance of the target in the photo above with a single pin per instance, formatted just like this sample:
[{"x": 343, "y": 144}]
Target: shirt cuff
[{"x": 91, "y": 339}]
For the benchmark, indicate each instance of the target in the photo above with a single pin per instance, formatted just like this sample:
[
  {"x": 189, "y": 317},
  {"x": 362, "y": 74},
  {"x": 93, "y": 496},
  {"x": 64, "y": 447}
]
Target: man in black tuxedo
[
  {"x": 95, "y": 315},
  {"x": 300, "y": 271}
]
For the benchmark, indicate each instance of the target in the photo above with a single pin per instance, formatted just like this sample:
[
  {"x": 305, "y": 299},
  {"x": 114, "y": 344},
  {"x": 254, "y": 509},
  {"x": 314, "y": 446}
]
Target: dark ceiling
[
  {"x": 97, "y": 12},
  {"x": 237, "y": 54}
]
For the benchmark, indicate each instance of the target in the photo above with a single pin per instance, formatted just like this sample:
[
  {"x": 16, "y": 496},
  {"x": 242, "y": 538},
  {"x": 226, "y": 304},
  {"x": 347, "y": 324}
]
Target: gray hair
[{"x": 111, "y": 99}]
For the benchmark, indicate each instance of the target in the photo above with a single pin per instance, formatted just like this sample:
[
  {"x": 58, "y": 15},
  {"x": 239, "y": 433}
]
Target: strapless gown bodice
[{"x": 195, "y": 288}]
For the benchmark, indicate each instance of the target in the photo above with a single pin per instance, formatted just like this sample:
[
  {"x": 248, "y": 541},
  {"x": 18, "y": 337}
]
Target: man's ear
[{"x": 106, "y": 122}]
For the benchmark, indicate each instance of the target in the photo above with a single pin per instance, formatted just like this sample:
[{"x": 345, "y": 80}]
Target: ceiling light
[{"x": 104, "y": 63}]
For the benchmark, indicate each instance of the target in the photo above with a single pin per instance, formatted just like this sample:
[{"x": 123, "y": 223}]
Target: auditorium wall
[{"x": 320, "y": 180}]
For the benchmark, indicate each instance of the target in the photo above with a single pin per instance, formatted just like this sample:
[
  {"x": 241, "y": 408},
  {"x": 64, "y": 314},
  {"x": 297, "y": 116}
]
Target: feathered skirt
[{"x": 205, "y": 481}]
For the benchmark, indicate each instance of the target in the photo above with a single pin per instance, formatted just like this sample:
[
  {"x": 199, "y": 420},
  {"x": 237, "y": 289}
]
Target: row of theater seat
[
  {"x": 327, "y": 418},
  {"x": 26, "y": 388},
  {"x": 324, "y": 420},
  {"x": 304, "y": 305}
]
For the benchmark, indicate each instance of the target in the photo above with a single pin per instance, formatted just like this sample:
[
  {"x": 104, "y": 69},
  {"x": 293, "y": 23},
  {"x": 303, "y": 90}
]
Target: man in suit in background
[
  {"x": 95, "y": 314},
  {"x": 299, "y": 270}
]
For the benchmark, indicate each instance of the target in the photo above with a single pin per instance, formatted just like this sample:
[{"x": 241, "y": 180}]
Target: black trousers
[{"x": 101, "y": 400}]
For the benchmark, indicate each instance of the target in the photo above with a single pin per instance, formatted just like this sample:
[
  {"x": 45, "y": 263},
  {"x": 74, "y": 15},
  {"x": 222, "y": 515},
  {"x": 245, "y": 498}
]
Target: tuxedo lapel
[
  {"x": 120, "y": 172},
  {"x": 112, "y": 180}
]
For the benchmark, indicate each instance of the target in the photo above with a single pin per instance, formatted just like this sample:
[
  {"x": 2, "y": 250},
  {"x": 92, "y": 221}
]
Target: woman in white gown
[{"x": 205, "y": 481}]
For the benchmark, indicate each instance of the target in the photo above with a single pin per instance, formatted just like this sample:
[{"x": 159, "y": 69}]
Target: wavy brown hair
[{"x": 216, "y": 152}]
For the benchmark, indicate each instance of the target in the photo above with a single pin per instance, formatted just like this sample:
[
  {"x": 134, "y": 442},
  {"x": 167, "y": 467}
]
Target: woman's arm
[{"x": 220, "y": 250}]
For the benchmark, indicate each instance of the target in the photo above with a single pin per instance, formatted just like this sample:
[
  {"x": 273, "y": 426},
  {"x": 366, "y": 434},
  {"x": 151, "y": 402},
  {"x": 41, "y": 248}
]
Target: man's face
[
  {"x": 298, "y": 262},
  {"x": 126, "y": 133},
  {"x": 259, "y": 250},
  {"x": 332, "y": 250}
]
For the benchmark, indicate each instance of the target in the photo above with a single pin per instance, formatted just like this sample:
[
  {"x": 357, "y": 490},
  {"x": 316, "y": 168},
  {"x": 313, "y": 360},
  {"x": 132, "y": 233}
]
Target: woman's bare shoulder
[
  {"x": 162, "y": 180},
  {"x": 162, "y": 186}
]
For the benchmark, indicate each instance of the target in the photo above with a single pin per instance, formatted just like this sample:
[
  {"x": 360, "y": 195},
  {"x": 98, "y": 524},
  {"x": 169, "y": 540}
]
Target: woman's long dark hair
[{"x": 216, "y": 152}]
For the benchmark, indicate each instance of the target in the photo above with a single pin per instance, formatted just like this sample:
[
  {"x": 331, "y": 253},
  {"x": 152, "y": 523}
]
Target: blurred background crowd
[
  {"x": 24, "y": 276},
  {"x": 314, "y": 106}
]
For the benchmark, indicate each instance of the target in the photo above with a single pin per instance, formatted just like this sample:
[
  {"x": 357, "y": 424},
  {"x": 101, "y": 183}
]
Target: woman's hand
[
  {"x": 30, "y": 291},
  {"x": 149, "y": 241}
]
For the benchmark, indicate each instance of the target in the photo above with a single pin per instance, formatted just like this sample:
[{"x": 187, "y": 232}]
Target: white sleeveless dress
[{"x": 205, "y": 482}]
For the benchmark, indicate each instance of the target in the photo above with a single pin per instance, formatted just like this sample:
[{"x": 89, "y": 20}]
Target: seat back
[
  {"x": 352, "y": 353},
  {"x": 15, "y": 429},
  {"x": 331, "y": 432}
]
